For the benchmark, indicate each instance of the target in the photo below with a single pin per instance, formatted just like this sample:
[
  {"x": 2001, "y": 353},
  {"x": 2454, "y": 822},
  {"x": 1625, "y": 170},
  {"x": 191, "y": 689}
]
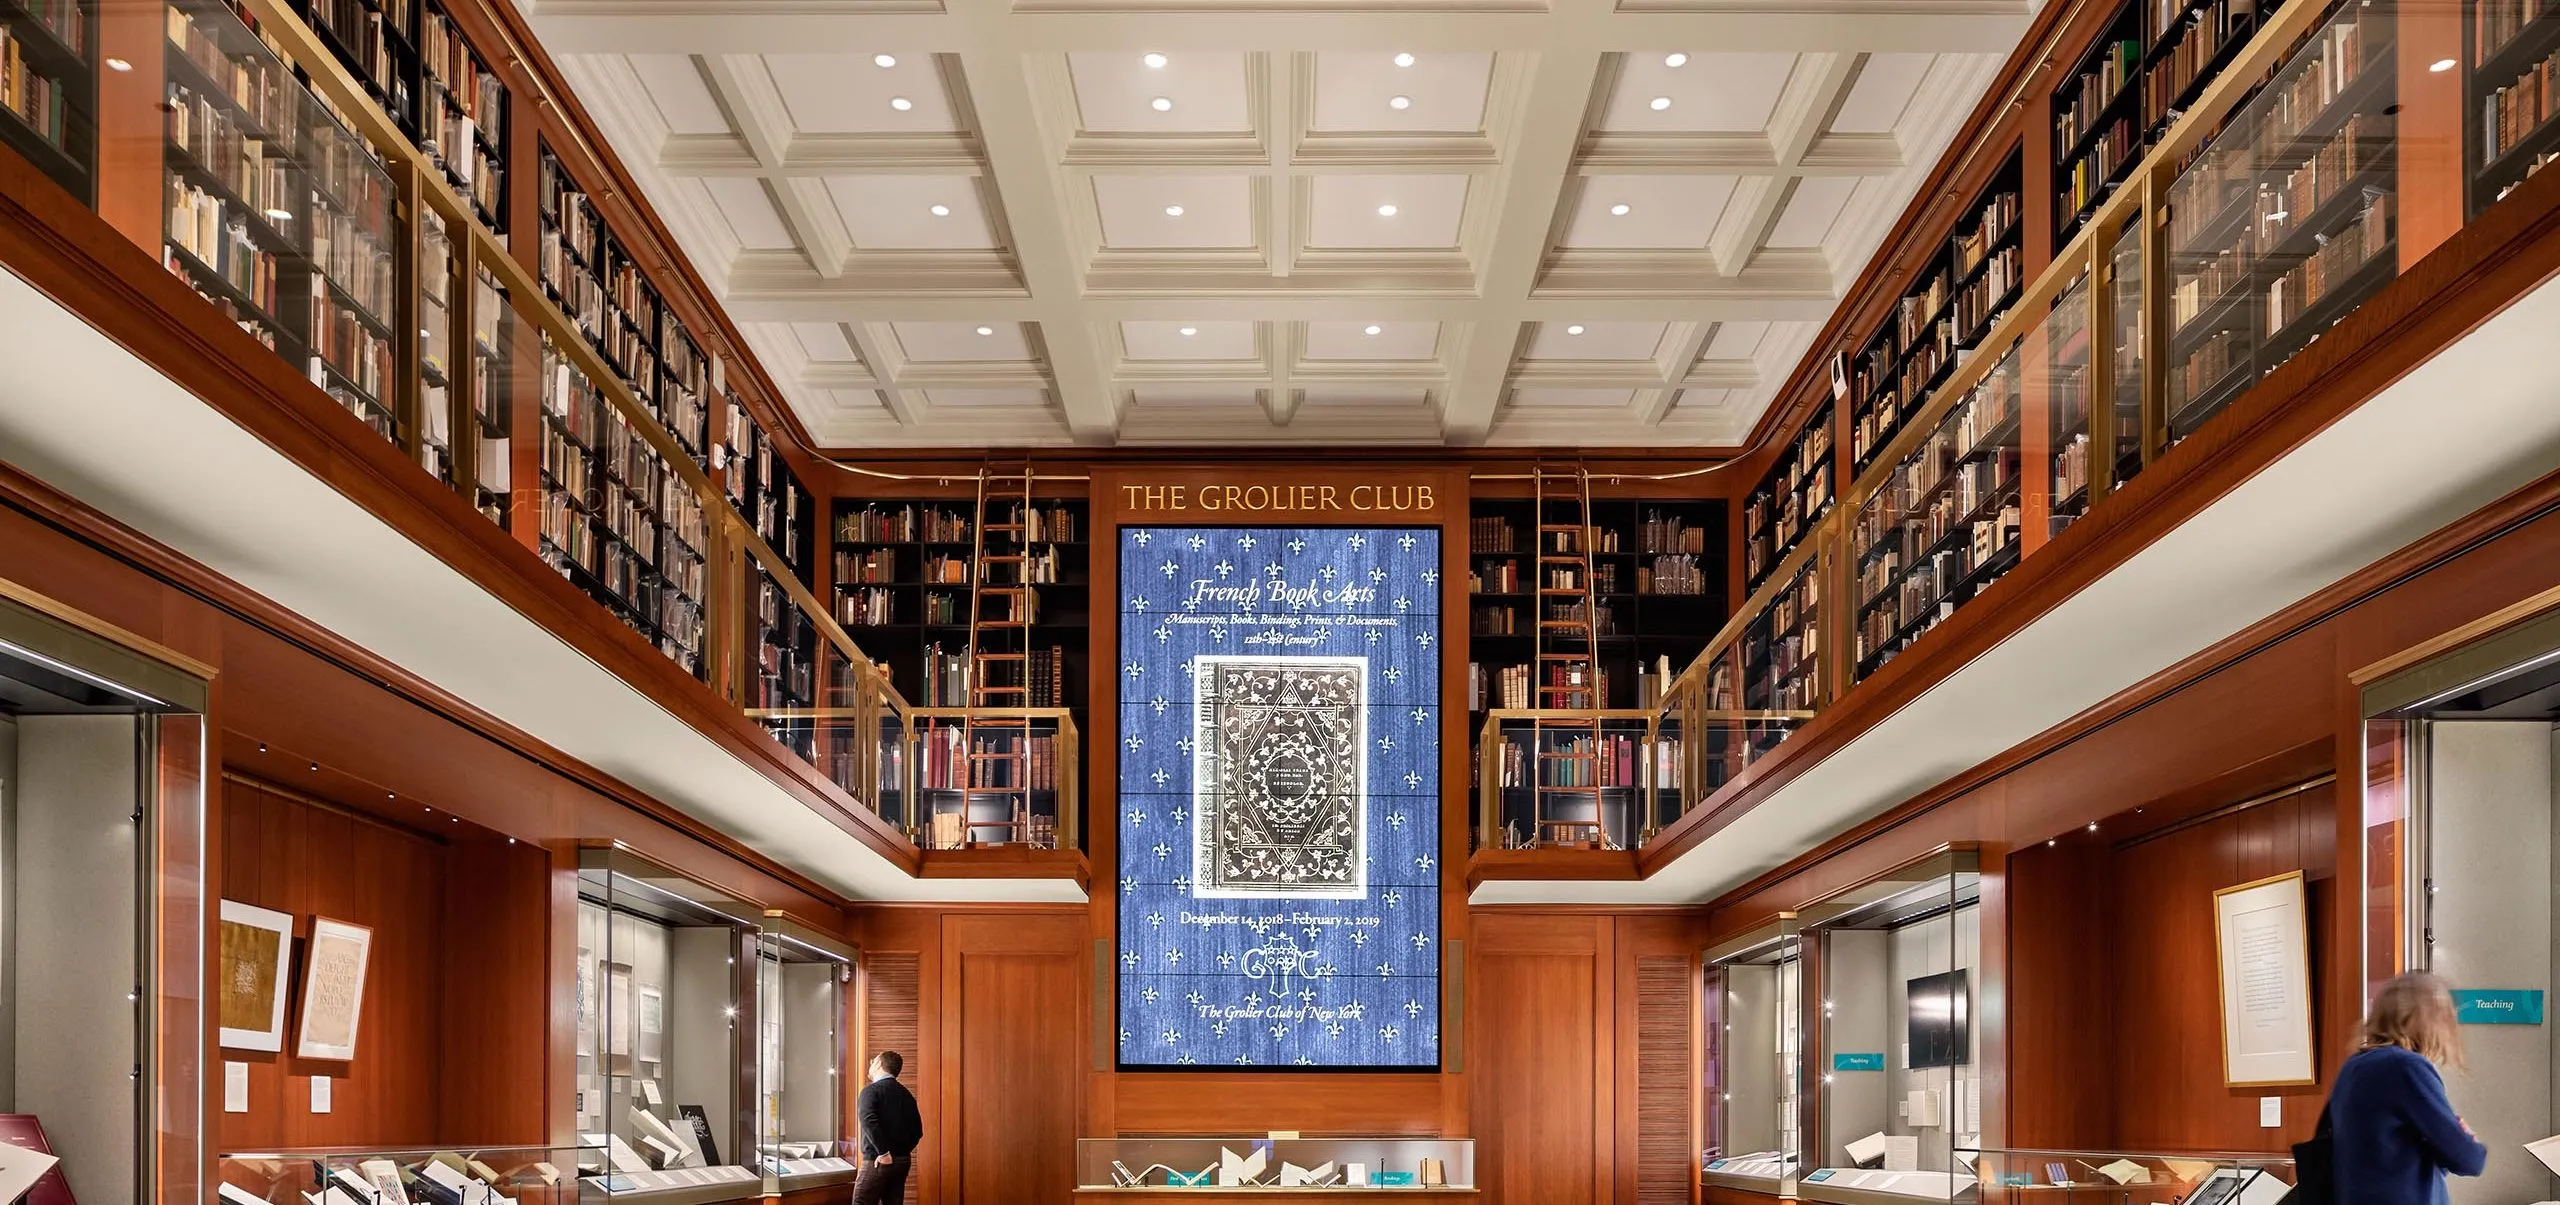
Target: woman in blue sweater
[{"x": 2394, "y": 1134}]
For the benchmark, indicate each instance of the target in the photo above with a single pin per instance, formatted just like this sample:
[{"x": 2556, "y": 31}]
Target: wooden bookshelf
[
  {"x": 1946, "y": 524},
  {"x": 1959, "y": 294},
  {"x": 277, "y": 214},
  {"x": 900, "y": 584},
  {"x": 49, "y": 89},
  {"x": 2513, "y": 87},
  {"x": 1789, "y": 501},
  {"x": 2150, "y": 62},
  {"x": 2288, "y": 221},
  {"x": 1658, "y": 583},
  {"x": 412, "y": 61}
]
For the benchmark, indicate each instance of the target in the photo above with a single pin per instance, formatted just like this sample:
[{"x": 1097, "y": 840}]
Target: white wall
[
  {"x": 1857, "y": 991},
  {"x": 1751, "y": 1063},
  {"x": 810, "y": 1016},
  {"x": 74, "y": 917},
  {"x": 2490, "y": 797}
]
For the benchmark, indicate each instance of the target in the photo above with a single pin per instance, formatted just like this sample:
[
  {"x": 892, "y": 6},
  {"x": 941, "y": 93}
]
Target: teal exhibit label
[
  {"x": 2498, "y": 1006},
  {"x": 1854, "y": 1061},
  {"x": 2017, "y": 1180}
]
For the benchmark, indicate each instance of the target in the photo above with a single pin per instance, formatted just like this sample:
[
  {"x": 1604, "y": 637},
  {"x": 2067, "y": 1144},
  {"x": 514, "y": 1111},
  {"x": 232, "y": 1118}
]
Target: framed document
[
  {"x": 333, "y": 989},
  {"x": 2263, "y": 945},
  {"x": 653, "y": 1023},
  {"x": 617, "y": 1017},
  {"x": 250, "y": 995}
]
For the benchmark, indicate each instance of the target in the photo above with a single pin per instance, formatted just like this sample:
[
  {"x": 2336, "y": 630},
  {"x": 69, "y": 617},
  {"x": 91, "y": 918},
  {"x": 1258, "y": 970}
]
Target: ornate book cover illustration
[
  {"x": 1278, "y": 809},
  {"x": 1278, "y": 784}
]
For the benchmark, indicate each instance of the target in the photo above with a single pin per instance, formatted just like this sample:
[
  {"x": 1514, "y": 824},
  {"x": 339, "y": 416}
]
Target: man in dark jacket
[{"x": 891, "y": 1128}]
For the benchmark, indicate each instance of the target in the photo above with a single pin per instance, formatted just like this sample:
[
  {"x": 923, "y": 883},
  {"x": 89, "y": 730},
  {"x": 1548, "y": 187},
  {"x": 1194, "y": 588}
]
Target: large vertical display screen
[{"x": 1279, "y": 796}]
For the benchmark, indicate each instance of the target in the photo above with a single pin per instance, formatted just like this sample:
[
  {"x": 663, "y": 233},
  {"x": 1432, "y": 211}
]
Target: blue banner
[
  {"x": 1279, "y": 794},
  {"x": 2497, "y": 1006}
]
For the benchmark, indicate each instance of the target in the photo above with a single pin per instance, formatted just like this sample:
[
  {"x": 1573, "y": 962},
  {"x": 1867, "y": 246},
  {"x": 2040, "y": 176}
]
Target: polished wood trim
[
  {"x": 101, "y": 629},
  {"x": 2487, "y": 625},
  {"x": 1552, "y": 863},
  {"x": 2511, "y": 249},
  {"x": 1007, "y": 862},
  {"x": 69, "y": 254}
]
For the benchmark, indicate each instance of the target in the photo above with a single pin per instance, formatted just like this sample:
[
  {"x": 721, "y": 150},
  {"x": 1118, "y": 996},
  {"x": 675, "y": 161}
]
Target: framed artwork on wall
[
  {"x": 617, "y": 1018},
  {"x": 2262, "y": 943},
  {"x": 653, "y": 1023},
  {"x": 256, "y": 943},
  {"x": 333, "y": 989}
]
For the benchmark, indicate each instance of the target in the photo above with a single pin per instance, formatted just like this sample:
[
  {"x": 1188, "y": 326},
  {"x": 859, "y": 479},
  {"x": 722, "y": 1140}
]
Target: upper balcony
[
  {"x": 397, "y": 269},
  {"x": 2321, "y": 260}
]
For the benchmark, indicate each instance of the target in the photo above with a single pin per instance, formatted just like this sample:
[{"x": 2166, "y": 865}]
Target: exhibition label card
[{"x": 235, "y": 1087}]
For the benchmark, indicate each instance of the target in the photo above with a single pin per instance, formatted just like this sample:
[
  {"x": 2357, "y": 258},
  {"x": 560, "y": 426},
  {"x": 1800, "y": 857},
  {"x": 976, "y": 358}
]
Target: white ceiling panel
[
  {"x": 1355, "y": 340},
  {"x": 912, "y": 213},
  {"x": 1188, "y": 340},
  {"x": 1708, "y": 93},
  {"x": 1160, "y": 212},
  {"x": 1467, "y": 187},
  {"x": 852, "y": 94},
  {"x": 1376, "y": 212},
  {"x": 1661, "y": 211},
  {"x": 684, "y": 101},
  {"x": 1884, "y": 89},
  {"x": 1117, "y": 92},
  {"x": 750, "y": 212},
  {"x": 962, "y": 342},
  {"x": 1442, "y": 92}
]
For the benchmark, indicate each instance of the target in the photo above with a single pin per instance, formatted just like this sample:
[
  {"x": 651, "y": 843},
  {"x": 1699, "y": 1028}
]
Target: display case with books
[
  {"x": 2203, "y": 1177},
  {"x": 2098, "y": 128},
  {"x": 802, "y": 978},
  {"x": 462, "y": 112},
  {"x": 616, "y": 519},
  {"x": 1895, "y": 1035},
  {"x": 666, "y": 1009},
  {"x": 1943, "y": 525},
  {"x": 1789, "y": 501},
  {"x": 458, "y": 1175},
  {"x": 1960, "y": 294},
  {"x": 2513, "y": 86},
  {"x": 996, "y": 776},
  {"x": 2057, "y": 357},
  {"x": 2288, "y": 220},
  {"x": 1754, "y": 997},
  {"x": 504, "y": 364},
  {"x": 276, "y": 213},
  {"x": 1144, "y": 1166},
  {"x": 1590, "y": 782},
  {"x": 49, "y": 89}
]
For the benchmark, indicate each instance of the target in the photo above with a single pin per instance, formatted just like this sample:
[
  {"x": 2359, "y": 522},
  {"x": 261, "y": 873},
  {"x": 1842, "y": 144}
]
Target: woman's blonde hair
[{"x": 2414, "y": 1012}]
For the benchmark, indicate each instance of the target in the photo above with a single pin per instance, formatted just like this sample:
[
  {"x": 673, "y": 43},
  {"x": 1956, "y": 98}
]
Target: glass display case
[
  {"x": 2119, "y": 1178},
  {"x": 1896, "y": 964},
  {"x": 800, "y": 1048},
  {"x": 452, "y": 1176},
  {"x": 1138, "y": 1164},
  {"x": 665, "y": 999},
  {"x": 1755, "y": 1028},
  {"x": 1582, "y": 781}
]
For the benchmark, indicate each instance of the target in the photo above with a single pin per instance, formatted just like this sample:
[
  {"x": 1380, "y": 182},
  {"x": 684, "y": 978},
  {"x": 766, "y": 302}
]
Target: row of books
[
  {"x": 954, "y": 830},
  {"x": 33, "y": 97},
  {"x": 2092, "y": 173},
  {"x": 2349, "y": 248},
  {"x": 2116, "y": 68},
  {"x": 2515, "y": 112},
  {"x": 1658, "y": 533},
  {"x": 901, "y": 525},
  {"x": 1494, "y": 577},
  {"x": 1576, "y": 760},
  {"x": 1488, "y": 533},
  {"x": 1928, "y": 592},
  {"x": 1026, "y": 762},
  {"x": 360, "y": 33},
  {"x": 2495, "y": 23},
  {"x": 1681, "y": 574},
  {"x": 2207, "y": 31},
  {"x": 1042, "y": 525},
  {"x": 947, "y": 677}
]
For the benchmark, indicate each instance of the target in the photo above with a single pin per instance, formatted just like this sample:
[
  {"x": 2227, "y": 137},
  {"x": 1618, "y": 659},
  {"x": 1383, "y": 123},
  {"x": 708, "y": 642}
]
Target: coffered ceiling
[{"x": 962, "y": 223}]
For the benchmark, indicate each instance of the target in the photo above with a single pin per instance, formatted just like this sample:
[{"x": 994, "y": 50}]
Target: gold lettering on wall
[{"x": 1230, "y": 498}]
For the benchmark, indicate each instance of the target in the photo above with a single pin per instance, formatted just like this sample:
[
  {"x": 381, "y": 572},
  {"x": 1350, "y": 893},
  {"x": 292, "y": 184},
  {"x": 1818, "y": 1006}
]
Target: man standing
[{"x": 891, "y": 1128}]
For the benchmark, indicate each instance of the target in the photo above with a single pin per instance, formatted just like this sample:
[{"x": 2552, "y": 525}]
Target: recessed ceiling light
[
  {"x": 944, "y": 211},
  {"x": 1618, "y": 210},
  {"x": 1675, "y": 59},
  {"x": 1189, "y": 331},
  {"x": 986, "y": 330},
  {"x": 1161, "y": 104},
  {"x": 1404, "y": 60},
  {"x": 1574, "y": 329},
  {"x": 901, "y": 104},
  {"x": 1386, "y": 211},
  {"x": 884, "y": 60},
  {"x": 1370, "y": 329},
  {"x": 116, "y": 64},
  {"x": 2440, "y": 65},
  {"x": 1155, "y": 60},
  {"x": 1660, "y": 103},
  {"x": 1399, "y": 102},
  {"x": 280, "y": 215},
  {"x": 1173, "y": 211}
]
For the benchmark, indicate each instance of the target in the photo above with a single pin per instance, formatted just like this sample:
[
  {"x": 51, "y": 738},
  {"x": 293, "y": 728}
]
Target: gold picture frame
[
  {"x": 2262, "y": 955},
  {"x": 256, "y": 948}
]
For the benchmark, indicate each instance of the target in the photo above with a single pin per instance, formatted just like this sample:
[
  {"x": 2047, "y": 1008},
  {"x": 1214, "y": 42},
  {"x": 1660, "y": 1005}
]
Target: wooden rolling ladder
[
  {"x": 995, "y": 726},
  {"x": 1566, "y": 697}
]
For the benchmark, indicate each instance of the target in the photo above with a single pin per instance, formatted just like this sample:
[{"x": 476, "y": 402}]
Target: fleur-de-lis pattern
[{"x": 1280, "y": 980}]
